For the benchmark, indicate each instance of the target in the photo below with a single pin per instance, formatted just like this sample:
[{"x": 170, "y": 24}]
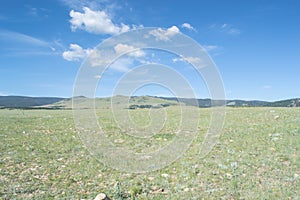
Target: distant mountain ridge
[
  {"x": 205, "y": 103},
  {"x": 57, "y": 102},
  {"x": 26, "y": 102}
]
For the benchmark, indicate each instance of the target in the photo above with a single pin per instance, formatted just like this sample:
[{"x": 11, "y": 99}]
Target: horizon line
[{"x": 102, "y": 97}]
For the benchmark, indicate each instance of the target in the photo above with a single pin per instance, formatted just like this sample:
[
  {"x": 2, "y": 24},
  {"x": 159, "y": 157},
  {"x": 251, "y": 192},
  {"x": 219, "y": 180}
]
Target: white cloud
[
  {"x": 22, "y": 38},
  {"x": 188, "y": 26},
  {"x": 229, "y": 29},
  {"x": 266, "y": 87},
  {"x": 193, "y": 60},
  {"x": 224, "y": 25},
  {"x": 210, "y": 47},
  {"x": 177, "y": 59},
  {"x": 78, "y": 4},
  {"x": 135, "y": 27},
  {"x": 174, "y": 29},
  {"x": 25, "y": 45},
  {"x": 165, "y": 35},
  {"x": 124, "y": 48},
  {"x": 97, "y": 76},
  {"x": 76, "y": 53},
  {"x": 31, "y": 52},
  {"x": 97, "y": 59},
  {"x": 32, "y": 10},
  {"x": 225, "y": 28},
  {"x": 37, "y": 12},
  {"x": 121, "y": 65},
  {"x": 234, "y": 31},
  {"x": 97, "y": 22}
]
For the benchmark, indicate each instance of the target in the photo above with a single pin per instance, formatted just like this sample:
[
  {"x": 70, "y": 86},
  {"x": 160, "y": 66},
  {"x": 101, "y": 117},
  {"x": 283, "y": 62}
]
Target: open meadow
[
  {"x": 149, "y": 100},
  {"x": 257, "y": 157}
]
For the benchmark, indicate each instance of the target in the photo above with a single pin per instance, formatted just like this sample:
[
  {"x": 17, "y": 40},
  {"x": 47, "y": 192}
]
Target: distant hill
[
  {"x": 286, "y": 103},
  {"x": 25, "y": 102},
  {"x": 283, "y": 103},
  {"x": 205, "y": 103},
  {"x": 137, "y": 102},
  {"x": 121, "y": 101}
]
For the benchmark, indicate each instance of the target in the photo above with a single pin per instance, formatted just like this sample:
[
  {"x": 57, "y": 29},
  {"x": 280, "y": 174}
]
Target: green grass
[{"x": 258, "y": 157}]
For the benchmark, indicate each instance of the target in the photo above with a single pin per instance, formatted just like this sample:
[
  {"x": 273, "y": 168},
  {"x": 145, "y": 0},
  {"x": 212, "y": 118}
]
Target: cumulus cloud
[
  {"x": 188, "y": 26},
  {"x": 122, "y": 64},
  {"x": 123, "y": 48},
  {"x": 97, "y": 22},
  {"x": 75, "y": 53},
  {"x": 165, "y": 35},
  {"x": 97, "y": 59},
  {"x": 173, "y": 29}
]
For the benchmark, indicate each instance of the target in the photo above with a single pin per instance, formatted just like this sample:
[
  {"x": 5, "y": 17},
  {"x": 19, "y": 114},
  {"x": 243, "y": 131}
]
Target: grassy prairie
[{"x": 258, "y": 157}]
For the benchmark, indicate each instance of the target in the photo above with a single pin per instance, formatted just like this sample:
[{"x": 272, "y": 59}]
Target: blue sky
[{"x": 255, "y": 44}]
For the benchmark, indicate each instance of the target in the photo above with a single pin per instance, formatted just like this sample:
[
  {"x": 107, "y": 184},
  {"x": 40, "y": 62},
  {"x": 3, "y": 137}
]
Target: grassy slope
[
  {"x": 41, "y": 157},
  {"x": 106, "y": 102}
]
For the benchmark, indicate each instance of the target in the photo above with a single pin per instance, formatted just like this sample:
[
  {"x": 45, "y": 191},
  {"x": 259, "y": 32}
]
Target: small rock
[
  {"x": 119, "y": 141},
  {"x": 165, "y": 175},
  {"x": 276, "y": 117},
  {"x": 102, "y": 196},
  {"x": 145, "y": 157},
  {"x": 186, "y": 189},
  {"x": 196, "y": 166},
  {"x": 287, "y": 163},
  {"x": 229, "y": 176}
]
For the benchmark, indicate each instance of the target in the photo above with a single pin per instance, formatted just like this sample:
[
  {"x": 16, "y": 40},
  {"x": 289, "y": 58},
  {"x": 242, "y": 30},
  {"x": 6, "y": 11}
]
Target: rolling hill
[{"x": 24, "y": 102}]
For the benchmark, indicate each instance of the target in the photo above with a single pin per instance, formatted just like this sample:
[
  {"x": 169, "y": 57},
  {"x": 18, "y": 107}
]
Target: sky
[{"x": 254, "y": 44}]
